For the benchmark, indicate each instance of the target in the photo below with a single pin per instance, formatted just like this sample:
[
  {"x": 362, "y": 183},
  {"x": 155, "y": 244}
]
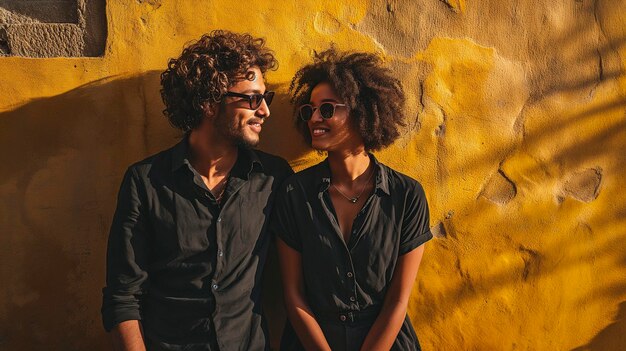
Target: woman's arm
[
  {"x": 388, "y": 323},
  {"x": 298, "y": 311}
]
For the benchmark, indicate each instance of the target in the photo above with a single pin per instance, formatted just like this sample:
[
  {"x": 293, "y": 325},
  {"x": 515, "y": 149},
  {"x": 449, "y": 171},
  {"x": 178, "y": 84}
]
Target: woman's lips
[{"x": 316, "y": 132}]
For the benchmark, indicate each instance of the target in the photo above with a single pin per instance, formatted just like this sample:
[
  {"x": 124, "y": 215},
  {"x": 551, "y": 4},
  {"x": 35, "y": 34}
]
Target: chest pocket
[
  {"x": 254, "y": 212},
  {"x": 181, "y": 226}
]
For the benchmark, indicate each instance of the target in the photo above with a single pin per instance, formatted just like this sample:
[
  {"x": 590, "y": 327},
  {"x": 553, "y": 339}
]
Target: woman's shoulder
[
  {"x": 304, "y": 179},
  {"x": 400, "y": 182},
  {"x": 314, "y": 173}
]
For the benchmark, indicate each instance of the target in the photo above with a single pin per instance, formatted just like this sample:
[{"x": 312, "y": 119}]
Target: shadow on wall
[
  {"x": 550, "y": 83},
  {"x": 611, "y": 338},
  {"x": 62, "y": 160}
]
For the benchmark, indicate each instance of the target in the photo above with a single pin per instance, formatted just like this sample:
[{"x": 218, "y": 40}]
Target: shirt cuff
[
  {"x": 415, "y": 243},
  {"x": 113, "y": 318},
  {"x": 290, "y": 241}
]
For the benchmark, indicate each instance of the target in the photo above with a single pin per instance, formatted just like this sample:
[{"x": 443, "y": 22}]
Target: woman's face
[{"x": 336, "y": 133}]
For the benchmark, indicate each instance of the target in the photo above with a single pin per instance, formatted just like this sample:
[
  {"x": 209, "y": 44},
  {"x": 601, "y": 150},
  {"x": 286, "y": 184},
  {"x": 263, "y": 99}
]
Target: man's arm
[
  {"x": 126, "y": 259},
  {"x": 388, "y": 323},
  {"x": 298, "y": 310},
  {"x": 127, "y": 336}
]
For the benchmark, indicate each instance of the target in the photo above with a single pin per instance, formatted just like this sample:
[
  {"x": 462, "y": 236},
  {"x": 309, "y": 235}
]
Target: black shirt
[
  {"x": 345, "y": 283},
  {"x": 186, "y": 266}
]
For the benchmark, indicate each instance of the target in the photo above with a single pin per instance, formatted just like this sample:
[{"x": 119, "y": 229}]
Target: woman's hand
[
  {"x": 298, "y": 310},
  {"x": 388, "y": 323}
]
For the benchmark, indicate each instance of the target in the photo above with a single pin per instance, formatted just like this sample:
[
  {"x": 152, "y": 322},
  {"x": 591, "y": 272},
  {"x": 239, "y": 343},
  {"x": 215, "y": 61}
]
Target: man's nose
[{"x": 264, "y": 110}]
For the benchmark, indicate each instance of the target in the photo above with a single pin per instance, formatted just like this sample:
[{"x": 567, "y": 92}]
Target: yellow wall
[{"x": 517, "y": 128}]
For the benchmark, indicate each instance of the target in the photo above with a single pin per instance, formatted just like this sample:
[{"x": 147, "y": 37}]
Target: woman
[{"x": 350, "y": 230}]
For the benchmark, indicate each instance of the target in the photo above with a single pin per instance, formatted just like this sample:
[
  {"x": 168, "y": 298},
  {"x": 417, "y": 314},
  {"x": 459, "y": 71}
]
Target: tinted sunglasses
[
  {"x": 254, "y": 100},
  {"x": 327, "y": 110}
]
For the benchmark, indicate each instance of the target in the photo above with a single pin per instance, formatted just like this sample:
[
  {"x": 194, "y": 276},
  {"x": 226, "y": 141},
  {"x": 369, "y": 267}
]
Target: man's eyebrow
[{"x": 255, "y": 91}]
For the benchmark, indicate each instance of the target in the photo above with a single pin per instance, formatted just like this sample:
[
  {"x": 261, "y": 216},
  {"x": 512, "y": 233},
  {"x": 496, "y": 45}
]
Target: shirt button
[
  {"x": 214, "y": 286},
  {"x": 220, "y": 253},
  {"x": 349, "y": 274},
  {"x": 219, "y": 219},
  {"x": 342, "y": 318},
  {"x": 352, "y": 298}
]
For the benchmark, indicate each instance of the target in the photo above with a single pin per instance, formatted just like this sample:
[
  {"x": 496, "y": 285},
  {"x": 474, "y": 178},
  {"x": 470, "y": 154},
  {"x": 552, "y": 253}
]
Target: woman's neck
[{"x": 347, "y": 166}]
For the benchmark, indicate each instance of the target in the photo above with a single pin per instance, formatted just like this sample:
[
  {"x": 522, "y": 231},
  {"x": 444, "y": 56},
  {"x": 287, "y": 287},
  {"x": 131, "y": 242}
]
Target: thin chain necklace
[
  {"x": 356, "y": 198},
  {"x": 218, "y": 197}
]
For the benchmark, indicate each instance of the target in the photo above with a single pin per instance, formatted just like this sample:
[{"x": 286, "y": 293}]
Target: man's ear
[{"x": 210, "y": 109}]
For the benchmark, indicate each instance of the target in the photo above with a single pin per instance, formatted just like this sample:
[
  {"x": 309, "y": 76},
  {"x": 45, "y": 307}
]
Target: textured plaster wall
[{"x": 517, "y": 128}]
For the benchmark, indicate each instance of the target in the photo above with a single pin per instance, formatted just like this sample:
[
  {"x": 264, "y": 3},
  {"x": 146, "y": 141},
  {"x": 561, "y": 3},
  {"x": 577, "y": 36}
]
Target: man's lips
[{"x": 255, "y": 124}]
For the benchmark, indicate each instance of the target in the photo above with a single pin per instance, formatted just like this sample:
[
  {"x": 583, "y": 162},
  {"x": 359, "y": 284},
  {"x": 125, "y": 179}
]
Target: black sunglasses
[
  {"x": 327, "y": 110},
  {"x": 255, "y": 100}
]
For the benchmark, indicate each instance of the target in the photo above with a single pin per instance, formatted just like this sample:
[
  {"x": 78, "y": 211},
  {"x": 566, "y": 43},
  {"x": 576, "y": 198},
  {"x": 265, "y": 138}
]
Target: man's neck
[
  {"x": 211, "y": 156},
  {"x": 347, "y": 166}
]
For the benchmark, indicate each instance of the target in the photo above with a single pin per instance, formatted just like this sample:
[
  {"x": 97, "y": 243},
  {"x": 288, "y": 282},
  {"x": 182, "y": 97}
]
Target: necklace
[
  {"x": 222, "y": 187},
  {"x": 356, "y": 198}
]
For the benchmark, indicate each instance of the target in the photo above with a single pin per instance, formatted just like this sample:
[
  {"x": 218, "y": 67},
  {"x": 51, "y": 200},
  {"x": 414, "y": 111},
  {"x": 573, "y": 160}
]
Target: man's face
[{"x": 235, "y": 121}]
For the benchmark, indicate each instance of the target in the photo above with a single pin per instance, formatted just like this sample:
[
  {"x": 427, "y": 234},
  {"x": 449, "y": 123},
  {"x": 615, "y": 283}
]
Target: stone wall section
[{"x": 52, "y": 28}]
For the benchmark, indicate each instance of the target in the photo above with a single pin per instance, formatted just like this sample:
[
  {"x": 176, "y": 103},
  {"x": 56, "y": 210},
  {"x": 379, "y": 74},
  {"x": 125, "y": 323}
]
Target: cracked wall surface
[
  {"x": 499, "y": 189},
  {"x": 516, "y": 127}
]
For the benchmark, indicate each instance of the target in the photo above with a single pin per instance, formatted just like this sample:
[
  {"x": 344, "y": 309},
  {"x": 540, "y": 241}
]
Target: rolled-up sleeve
[
  {"x": 126, "y": 275},
  {"x": 282, "y": 223},
  {"x": 415, "y": 225}
]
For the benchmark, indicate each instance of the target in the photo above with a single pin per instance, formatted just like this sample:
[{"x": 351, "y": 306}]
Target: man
[{"x": 188, "y": 241}]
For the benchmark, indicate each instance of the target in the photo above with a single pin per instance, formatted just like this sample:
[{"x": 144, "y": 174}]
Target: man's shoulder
[
  {"x": 273, "y": 164},
  {"x": 158, "y": 161}
]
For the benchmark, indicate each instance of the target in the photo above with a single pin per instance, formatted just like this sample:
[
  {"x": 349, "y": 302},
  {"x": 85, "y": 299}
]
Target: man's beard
[{"x": 230, "y": 130}]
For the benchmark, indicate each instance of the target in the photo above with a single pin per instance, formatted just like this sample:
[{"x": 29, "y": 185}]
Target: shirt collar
[
  {"x": 382, "y": 176},
  {"x": 180, "y": 153},
  {"x": 246, "y": 162},
  {"x": 381, "y": 180}
]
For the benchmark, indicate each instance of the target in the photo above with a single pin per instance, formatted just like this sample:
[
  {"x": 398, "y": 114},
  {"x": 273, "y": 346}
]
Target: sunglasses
[
  {"x": 254, "y": 100},
  {"x": 327, "y": 110}
]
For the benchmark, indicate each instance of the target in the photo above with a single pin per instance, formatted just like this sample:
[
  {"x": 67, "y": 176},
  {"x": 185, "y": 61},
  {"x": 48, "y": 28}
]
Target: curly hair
[
  {"x": 374, "y": 97},
  {"x": 204, "y": 72}
]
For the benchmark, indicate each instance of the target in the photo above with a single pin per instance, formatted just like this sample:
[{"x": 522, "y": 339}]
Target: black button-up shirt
[
  {"x": 186, "y": 266},
  {"x": 345, "y": 283}
]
